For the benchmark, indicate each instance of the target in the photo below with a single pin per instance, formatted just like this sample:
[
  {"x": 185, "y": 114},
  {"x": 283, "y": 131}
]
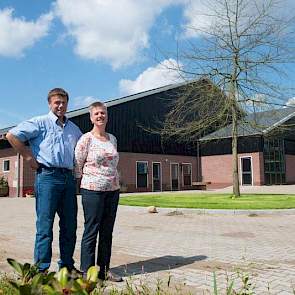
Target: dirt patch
[
  {"x": 5, "y": 238},
  {"x": 240, "y": 235},
  {"x": 175, "y": 213}
]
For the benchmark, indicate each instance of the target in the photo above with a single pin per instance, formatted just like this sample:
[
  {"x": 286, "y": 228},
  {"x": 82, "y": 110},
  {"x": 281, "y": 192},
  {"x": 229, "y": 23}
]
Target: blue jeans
[
  {"x": 55, "y": 193},
  {"x": 100, "y": 209}
]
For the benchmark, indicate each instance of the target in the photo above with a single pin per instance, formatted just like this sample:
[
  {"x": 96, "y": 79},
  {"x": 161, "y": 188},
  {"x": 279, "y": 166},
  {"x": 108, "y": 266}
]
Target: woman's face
[{"x": 99, "y": 116}]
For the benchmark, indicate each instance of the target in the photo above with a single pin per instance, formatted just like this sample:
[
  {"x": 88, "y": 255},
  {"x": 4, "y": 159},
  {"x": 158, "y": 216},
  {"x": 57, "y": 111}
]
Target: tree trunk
[{"x": 236, "y": 185}]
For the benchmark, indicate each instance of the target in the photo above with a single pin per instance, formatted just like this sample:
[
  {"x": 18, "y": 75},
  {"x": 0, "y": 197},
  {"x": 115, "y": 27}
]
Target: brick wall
[
  {"x": 26, "y": 174},
  {"x": 127, "y": 168},
  {"x": 290, "y": 169},
  {"x": 9, "y": 154},
  {"x": 217, "y": 170}
]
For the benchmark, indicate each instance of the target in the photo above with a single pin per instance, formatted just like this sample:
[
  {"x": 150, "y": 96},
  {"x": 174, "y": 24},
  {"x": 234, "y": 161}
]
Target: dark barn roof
[
  {"x": 131, "y": 116},
  {"x": 255, "y": 124}
]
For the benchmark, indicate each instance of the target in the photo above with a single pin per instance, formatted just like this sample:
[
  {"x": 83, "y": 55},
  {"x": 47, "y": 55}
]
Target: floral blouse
[{"x": 96, "y": 162}]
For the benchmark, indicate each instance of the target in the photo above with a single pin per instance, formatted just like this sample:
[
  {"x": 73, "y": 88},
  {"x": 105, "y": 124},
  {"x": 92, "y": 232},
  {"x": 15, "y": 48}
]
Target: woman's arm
[{"x": 81, "y": 153}]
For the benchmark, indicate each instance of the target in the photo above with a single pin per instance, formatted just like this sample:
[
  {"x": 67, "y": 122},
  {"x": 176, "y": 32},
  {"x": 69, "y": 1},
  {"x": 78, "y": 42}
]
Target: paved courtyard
[{"x": 189, "y": 247}]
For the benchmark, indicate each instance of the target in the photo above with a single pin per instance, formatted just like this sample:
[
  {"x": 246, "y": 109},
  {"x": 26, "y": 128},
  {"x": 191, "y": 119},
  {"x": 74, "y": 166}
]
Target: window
[
  {"x": 246, "y": 170},
  {"x": 274, "y": 161},
  {"x": 187, "y": 174},
  {"x": 6, "y": 165},
  {"x": 141, "y": 174}
]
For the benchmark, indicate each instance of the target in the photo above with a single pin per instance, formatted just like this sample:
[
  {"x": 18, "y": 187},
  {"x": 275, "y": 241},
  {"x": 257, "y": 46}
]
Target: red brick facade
[
  {"x": 290, "y": 169},
  {"x": 217, "y": 170},
  {"x": 127, "y": 168}
]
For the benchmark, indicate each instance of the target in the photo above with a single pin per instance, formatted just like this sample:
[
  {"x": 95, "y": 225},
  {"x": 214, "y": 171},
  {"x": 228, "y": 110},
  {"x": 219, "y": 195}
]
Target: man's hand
[
  {"x": 21, "y": 148},
  {"x": 33, "y": 163}
]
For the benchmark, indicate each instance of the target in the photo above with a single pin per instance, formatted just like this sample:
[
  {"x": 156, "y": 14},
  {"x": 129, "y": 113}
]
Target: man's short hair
[
  {"x": 97, "y": 104},
  {"x": 57, "y": 91}
]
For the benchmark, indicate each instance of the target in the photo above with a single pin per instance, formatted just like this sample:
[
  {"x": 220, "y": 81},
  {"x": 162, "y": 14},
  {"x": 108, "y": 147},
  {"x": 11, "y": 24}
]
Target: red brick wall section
[
  {"x": 127, "y": 168},
  {"x": 290, "y": 169},
  {"x": 9, "y": 154},
  {"x": 218, "y": 169},
  {"x": 26, "y": 174}
]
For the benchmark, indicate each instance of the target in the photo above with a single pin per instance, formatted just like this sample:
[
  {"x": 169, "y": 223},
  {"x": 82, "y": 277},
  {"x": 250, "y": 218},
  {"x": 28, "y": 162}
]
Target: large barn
[
  {"x": 147, "y": 163},
  {"x": 266, "y": 148}
]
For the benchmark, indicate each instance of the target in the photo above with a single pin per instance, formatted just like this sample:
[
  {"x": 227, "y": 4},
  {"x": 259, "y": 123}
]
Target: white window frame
[
  {"x": 191, "y": 173},
  {"x": 172, "y": 163},
  {"x": 241, "y": 171},
  {"x": 147, "y": 181},
  {"x": 6, "y": 171},
  {"x": 161, "y": 175}
]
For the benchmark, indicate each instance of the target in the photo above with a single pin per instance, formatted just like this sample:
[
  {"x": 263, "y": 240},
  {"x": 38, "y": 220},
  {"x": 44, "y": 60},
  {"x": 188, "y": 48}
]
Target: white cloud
[
  {"x": 197, "y": 18},
  {"x": 201, "y": 15},
  {"x": 83, "y": 101},
  {"x": 114, "y": 31},
  {"x": 17, "y": 34},
  {"x": 162, "y": 74},
  {"x": 291, "y": 102}
]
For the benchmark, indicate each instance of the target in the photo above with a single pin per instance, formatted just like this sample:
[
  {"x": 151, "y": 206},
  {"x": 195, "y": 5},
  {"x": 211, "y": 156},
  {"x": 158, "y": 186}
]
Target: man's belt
[{"x": 59, "y": 169}]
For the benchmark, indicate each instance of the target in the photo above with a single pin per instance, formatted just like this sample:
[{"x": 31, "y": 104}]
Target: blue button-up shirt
[{"x": 52, "y": 145}]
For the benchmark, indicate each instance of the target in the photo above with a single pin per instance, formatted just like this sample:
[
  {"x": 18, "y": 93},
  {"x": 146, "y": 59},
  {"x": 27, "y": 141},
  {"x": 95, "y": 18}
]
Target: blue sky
[{"x": 95, "y": 49}]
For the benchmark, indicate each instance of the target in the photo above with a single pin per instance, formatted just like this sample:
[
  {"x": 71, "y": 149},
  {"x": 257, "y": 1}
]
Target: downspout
[
  {"x": 18, "y": 176},
  {"x": 199, "y": 172}
]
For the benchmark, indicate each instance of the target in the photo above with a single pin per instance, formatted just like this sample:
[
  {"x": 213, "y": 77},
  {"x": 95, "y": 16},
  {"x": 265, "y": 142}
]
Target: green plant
[
  {"x": 3, "y": 182},
  {"x": 246, "y": 286},
  {"x": 30, "y": 281},
  {"x": 5, "y": 287},
  {"x": 63, "y": 283}
]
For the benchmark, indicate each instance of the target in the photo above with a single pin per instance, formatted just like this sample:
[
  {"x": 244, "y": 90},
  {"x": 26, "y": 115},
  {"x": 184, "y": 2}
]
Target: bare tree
[{"x": 245, "y": 52}]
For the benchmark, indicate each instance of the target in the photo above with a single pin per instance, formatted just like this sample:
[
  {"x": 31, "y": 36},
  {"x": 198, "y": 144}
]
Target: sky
[{"x": 94, "y": 49}]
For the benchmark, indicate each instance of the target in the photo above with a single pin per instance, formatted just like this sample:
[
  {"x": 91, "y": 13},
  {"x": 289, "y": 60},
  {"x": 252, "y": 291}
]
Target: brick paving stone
[{"x": 189, "y": 247}]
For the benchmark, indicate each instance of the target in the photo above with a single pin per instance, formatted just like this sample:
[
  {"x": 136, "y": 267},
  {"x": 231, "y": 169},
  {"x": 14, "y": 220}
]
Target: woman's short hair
[
  {"x": 97, "y": 104},
  {"x": 57, "y": 91}
]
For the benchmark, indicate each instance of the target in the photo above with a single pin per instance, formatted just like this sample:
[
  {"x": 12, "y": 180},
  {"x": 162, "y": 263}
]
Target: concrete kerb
[{"x": 180, "y": 211}]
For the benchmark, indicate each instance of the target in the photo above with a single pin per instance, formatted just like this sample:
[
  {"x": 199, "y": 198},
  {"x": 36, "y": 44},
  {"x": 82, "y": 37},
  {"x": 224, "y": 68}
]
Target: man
[{"x": 52, "y": 139}]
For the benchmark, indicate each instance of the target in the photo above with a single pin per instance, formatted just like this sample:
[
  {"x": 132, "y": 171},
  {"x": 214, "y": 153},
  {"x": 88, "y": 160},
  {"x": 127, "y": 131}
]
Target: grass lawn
[{"x": 211, "y": 201}]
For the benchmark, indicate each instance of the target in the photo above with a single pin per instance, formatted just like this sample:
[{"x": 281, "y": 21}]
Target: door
[
  {"x": 246, "y": 170},
  {"x": 174, "y": 176},
  {"x": 157, "y": 177}
]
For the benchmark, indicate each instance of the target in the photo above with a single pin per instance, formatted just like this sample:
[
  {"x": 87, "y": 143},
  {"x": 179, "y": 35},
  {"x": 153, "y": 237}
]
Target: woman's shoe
[{"x": 110, "y": 276}]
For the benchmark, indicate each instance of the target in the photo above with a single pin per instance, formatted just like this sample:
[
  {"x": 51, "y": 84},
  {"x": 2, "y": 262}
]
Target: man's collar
[{"x": 54, "y": 117}]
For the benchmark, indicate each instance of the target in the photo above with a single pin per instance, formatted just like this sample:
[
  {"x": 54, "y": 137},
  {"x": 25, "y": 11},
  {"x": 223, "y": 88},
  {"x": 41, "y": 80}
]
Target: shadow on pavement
[{"x": 156, "y": 264}]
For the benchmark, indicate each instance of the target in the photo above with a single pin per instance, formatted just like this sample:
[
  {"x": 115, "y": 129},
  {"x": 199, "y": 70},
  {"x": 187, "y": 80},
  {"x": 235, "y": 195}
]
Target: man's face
[{"x": 58, "y": 105}]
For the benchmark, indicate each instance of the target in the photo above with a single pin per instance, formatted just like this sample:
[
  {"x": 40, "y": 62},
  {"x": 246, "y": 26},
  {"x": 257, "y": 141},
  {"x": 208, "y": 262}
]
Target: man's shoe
[{"x": 110, "y": 276}]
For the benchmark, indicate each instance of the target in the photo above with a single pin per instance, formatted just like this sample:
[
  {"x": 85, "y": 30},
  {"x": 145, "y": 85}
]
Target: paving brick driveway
[{"x": 189, "y": 247}]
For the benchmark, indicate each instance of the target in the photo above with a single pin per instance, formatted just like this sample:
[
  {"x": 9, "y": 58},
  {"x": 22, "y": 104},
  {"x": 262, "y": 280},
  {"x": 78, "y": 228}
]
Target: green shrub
[
  {"x": 3, "y": 182},
  {"x": 5, "y": 287}
]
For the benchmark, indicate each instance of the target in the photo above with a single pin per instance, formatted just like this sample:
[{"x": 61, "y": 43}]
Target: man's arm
[{"x": 21, "y": 148}]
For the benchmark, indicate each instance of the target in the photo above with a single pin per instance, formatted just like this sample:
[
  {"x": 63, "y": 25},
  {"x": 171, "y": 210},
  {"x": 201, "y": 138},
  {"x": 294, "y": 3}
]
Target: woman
[{"x": 96, "y": 162}]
